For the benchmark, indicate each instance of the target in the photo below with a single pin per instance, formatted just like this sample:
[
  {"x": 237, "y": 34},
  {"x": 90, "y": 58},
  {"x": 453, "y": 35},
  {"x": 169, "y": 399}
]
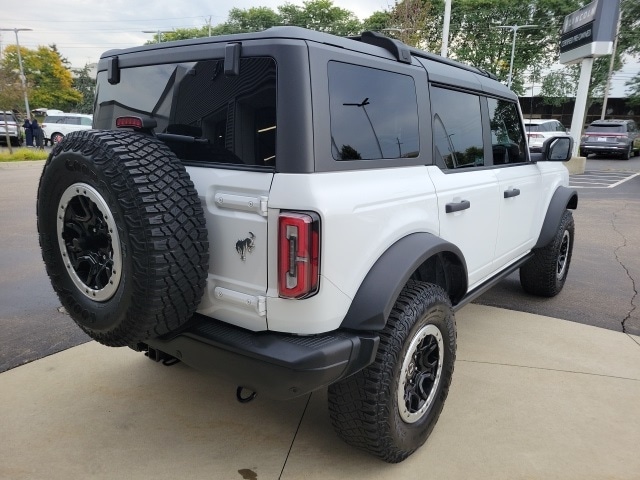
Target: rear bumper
[
  {"x": 278, "y": 365},
  {"x": 618, "y": 149}
]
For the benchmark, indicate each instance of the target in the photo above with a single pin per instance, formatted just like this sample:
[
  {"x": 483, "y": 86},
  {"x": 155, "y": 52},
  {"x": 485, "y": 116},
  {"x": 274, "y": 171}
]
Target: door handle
[
  {"x": 457, "y": 207},
  {"x": 514, "y": 192}
]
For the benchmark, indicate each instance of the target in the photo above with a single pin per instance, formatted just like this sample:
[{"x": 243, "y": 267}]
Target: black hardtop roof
[{"x": 395, "y": 47}]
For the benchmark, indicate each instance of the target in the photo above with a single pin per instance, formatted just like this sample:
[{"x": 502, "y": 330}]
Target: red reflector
[
  {"x": 298, "y": 254},
  {"x": 129, "y": 122}
]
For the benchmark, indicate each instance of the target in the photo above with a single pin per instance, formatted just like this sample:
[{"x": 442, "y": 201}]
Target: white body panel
[
  {"x": 362, "y": 214},
  {"x": 517, "y": 229},
  {"x": 234, "y": 202},
  {"x": 472, "y": 230}
]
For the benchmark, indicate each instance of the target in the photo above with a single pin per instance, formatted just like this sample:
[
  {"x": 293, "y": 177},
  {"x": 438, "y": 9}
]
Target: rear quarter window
[{"x": 374, "y": 113}]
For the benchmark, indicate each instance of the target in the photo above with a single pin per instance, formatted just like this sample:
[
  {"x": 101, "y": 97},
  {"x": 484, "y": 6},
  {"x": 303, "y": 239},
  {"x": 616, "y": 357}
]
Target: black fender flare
[
  {"x": 381, "y": 287},
  {"x": 562, "y": 199}
]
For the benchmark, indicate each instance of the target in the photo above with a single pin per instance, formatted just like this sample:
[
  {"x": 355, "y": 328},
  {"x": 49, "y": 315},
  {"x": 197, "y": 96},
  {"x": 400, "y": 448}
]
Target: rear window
[
  {"x": 532, "y": 128},
  {"x": 203, "y": 115},
  {"x": 374, "y": 113},
  {"x": 607, "y": 128}
]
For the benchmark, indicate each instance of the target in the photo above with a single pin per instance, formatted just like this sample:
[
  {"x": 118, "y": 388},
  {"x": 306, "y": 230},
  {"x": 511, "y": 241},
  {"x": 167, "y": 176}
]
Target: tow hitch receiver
[{"x": 160, "y": 356}]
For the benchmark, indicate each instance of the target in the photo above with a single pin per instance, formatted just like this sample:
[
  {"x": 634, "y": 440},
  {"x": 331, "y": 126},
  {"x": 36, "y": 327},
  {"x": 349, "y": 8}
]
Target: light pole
[
  {"x": 515, "y": 29},
  {"x": 363, "y": 105},
  {"x": 158, "y": 32},
  {"x": 23, "y": 79}
]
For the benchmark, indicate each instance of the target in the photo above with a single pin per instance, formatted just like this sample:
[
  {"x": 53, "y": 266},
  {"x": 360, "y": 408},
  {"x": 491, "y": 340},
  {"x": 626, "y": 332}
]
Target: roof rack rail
[
  {"x": 395, "y": 47},
  {"x": 403, "y": 52}
]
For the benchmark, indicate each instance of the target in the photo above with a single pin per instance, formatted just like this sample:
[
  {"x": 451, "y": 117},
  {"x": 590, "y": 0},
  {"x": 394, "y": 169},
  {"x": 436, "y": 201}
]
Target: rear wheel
[
  {"x": 390, "y": 408},
  {"x": 122, "y": 234}
]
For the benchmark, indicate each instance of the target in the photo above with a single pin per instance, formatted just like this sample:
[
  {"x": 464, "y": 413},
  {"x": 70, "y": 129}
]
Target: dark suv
[{"x": 617, "y": 137}]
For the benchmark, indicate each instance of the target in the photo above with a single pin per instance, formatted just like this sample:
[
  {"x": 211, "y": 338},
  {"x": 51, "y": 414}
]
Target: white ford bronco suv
[{"x": 298, "y": 211}]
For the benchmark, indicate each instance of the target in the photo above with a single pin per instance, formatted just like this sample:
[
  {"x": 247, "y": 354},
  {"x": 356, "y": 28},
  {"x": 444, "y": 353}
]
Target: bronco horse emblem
[{"x": 244, "y": 246}]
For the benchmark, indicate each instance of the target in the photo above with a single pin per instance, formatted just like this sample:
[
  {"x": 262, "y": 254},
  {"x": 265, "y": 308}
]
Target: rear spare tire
[{"x": 122, "y": 234}]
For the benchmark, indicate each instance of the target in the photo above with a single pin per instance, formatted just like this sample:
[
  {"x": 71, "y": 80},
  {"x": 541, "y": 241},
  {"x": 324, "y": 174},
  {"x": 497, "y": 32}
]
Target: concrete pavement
[{"x": 532, "y": 398}]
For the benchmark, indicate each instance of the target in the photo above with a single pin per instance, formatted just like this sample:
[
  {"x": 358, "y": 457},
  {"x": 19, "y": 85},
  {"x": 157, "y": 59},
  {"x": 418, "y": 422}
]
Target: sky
[{"x": 83, "y": 29}]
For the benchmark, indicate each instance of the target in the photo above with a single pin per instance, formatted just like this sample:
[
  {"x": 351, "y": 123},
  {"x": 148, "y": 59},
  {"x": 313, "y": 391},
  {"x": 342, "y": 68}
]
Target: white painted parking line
[{"x": 601, "y": 179}]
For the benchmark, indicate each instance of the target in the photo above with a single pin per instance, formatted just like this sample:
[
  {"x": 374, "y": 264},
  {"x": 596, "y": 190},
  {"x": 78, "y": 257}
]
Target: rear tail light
[
  {"x": 137, "y": 123},
  {"x": 298, "y": 254},
  {"x": 535, "y": 135}
]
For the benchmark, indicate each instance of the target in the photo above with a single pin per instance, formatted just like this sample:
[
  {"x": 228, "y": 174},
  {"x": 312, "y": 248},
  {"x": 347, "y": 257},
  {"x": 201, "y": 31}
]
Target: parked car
[
  {"x": 611, "y": 137},
  {"x": 9, "y": 123},
  {"x": 539, "y": 129},
  {"x": 296, "y": 210},
  {"x": 57, "y": 124}
]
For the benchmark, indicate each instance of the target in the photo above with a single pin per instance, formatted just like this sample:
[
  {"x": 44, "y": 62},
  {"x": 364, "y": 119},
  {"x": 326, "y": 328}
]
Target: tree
[
  {"x": 378, "y": 22},
  {"x": 412, "y": 23},
  {"x": 321, "y": 15},
  {"x": 49, "y": 81},
  {"x": 11, "y": 97},
  {"x": 253, "y": 19},
  {"x": 85, "y": 85}
]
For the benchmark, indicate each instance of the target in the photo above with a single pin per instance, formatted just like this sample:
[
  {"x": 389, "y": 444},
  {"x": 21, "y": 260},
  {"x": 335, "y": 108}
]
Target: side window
[
  {"x": 374, "y": 113},
  {"x": 457, "y": 129},
  {"x": 85, "y": 121},
  {"x": 507, "y": 138}
]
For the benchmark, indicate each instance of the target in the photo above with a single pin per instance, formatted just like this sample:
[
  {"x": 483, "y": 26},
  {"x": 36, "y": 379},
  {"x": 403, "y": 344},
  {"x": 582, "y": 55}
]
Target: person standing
[
  {"x": 38, "y": 134},
  {"x": 28, "y": 132}
]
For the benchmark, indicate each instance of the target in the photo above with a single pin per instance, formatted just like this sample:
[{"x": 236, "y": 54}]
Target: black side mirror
[{"x": 557, "y": 149}]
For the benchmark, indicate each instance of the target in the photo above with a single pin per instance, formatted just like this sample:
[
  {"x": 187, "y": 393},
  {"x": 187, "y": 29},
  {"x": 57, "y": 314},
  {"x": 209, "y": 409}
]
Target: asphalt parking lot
[
  {"x": 602, "y": 286},
  {"x": 601, "y": 289}
]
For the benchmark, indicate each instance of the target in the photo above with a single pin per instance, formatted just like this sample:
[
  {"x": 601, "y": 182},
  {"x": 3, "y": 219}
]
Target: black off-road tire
[
  {"x": 544, "y": 274},
  {"x": 122, "y": 234},
  {"x": 370, "y": 410}
]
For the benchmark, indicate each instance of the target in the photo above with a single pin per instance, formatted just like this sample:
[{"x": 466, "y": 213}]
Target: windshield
[{"x": 7, "y": 117}]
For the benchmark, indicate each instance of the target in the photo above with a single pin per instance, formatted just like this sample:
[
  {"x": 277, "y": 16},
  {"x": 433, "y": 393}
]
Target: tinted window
[
  {"x": 201, "y": 114},
  {"x": 7, "y": 116},
  {"x": 374, "y": 113},
  {"x": 529, "y": 127},
  {"x": 85, "y": 121},
  {"x": 53, "y": 119},
  {"x": 607, "y": 128},
  {"x": 457, "y": 129},
  {"x": 507, "y": 138}
]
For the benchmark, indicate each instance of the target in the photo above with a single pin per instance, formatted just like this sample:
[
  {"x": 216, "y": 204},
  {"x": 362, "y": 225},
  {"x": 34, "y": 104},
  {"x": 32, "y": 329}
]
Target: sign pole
[{"x": 577, "y": 121}]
